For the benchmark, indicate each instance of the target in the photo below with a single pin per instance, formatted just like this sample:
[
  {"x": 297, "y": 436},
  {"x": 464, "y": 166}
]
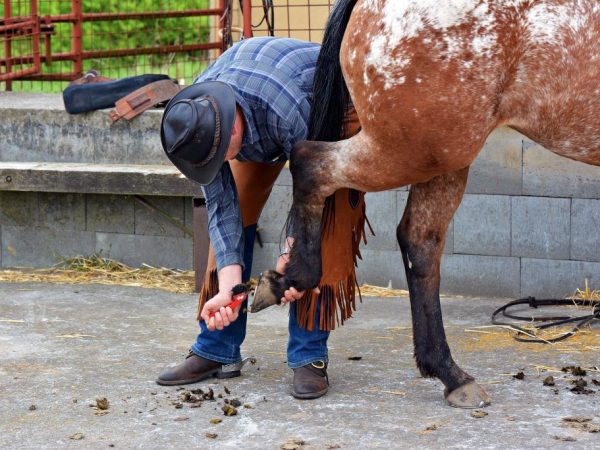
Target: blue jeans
[{"x": 223, "y": 346}]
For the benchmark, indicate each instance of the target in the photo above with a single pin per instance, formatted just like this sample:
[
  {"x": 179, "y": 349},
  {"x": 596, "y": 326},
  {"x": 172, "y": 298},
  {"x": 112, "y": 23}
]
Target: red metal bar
[
  {"x": 76, "y": 38},
  {"x": 18, "y": 25},
  {"x": 116, "y": 53},
  {"x": 247, "y": 8},
  {"x": 7, "y": 50},
  {"x": 35, "y": 36},
  {"x": 97, "y": 17}
]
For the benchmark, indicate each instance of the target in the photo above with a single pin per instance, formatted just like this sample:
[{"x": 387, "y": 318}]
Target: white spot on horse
[
  {"x": 547, "y": 23},
  {"x": 402, "y": 21}
]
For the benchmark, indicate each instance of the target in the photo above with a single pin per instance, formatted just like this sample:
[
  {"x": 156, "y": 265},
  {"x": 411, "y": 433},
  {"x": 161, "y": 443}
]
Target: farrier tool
[{"x": 239, "y": 293}]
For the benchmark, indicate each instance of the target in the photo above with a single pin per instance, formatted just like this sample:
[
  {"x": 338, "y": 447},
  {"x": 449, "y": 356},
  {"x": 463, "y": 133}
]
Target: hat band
[{"x": 217, "y": 137}]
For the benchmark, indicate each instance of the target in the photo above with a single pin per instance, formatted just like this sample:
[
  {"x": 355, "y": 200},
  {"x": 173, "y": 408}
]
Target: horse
[{"x": 430, "y": 80}]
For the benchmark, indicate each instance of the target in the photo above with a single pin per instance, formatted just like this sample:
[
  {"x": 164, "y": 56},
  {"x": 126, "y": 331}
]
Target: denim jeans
[{"x": 223, "y": 345}]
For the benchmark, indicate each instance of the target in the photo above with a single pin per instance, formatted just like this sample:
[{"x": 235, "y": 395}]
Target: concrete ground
[{"x": 64, "y": 346}]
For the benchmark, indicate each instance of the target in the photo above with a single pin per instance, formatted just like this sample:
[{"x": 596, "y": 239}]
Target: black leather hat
[{"x": 196, "y": 129}]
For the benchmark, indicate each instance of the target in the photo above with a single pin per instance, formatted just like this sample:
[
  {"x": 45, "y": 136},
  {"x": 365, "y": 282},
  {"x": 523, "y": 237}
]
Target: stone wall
[{"x": 528, "y": 225}]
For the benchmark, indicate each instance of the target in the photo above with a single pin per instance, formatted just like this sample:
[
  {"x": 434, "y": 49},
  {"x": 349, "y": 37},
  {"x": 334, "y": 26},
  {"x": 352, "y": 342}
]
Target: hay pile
[{"x": 98, "y": 270}]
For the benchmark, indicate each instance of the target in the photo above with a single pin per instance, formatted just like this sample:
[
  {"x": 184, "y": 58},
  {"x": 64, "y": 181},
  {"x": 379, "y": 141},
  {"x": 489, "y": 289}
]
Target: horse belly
[{"x": 555, "y": 99}]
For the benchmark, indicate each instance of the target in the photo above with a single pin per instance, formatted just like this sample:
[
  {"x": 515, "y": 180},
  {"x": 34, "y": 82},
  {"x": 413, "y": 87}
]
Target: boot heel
[{"x": 234, "y": 373}]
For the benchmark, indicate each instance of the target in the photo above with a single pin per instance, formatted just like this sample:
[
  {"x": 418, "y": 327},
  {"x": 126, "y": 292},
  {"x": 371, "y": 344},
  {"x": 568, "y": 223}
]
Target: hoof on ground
[{"x": 470, "y": 395}]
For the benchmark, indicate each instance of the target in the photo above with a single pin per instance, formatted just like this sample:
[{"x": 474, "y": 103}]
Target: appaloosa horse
[{"x": 430, "y": 80}]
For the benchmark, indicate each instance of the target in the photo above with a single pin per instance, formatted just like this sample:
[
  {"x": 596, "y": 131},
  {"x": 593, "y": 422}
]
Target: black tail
[{"x": 330, "y": 94}]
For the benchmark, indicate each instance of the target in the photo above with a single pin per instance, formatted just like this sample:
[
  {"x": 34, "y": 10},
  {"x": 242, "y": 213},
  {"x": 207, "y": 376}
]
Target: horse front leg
[
  {"x": 310, "y": 190},
  {"x": 421, "y": 235}
]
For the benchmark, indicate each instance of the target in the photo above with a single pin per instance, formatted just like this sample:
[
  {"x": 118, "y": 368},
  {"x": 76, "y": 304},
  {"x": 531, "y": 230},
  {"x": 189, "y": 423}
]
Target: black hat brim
[{"x": 225, "y": 98}]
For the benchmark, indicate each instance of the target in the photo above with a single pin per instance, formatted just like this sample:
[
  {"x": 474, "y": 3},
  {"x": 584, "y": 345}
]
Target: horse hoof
[
  {"x": 268, "y": 292},
  {"x": 469, "y": 395}
]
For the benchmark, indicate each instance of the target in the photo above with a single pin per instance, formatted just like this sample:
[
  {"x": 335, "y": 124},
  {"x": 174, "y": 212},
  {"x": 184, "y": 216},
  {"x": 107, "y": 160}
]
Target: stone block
[
  {"x": 62, "y": 211},
  {"x": 188, "y": 212},
  {"x": 498, "y": 168},
  {"x": 151, "y": 222},
  {"x": 383, "y": 215},
  {"x": 482, "y": 225},
  {"x": 110, "y": 213},
  {"x": 274, "y": 214},
  {"x": 42, "y": 247},
  {"x": 19, "y": 208},
  {"x": 157, "y": 251},
  {"x": 494, "y": 276},
  {"x": 546, "y": 174},
  {"x": 381, "y": 268},
  {"x": 544, "y": 278},
  {"x": 40, "y": 129},
  {"x": 585, "y": 230},
  {"x": 540, "y": 227}
]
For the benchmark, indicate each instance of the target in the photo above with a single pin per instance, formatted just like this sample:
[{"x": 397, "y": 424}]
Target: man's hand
[
  {"x": 229, "y": 276},
  {"x": 291, "y": 294},
  {"x": 224, "y": 315}
]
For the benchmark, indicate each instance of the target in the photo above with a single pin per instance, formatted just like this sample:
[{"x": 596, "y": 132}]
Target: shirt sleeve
[
  {"x": 224, "y": 219},
  {"x": 288, "y": 131}
]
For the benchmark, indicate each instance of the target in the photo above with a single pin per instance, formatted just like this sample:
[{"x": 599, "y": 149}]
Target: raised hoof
[
  {"x": 269, "y": 290},
  {"x": 468, "y": 396}
]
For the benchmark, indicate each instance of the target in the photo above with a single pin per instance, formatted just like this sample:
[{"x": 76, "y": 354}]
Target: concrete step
[{"x": 86, "y": 178}]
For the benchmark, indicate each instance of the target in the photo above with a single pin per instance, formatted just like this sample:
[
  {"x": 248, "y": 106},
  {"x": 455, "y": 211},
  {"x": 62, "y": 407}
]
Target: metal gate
[
  {"x": 58, "y": 40},
  {"x": 46, "y": 43}
]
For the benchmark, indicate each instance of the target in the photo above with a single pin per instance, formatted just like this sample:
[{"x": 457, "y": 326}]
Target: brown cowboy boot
[
  {"x": 310, "y": 381},
  {"x": 195, "y": 369}
]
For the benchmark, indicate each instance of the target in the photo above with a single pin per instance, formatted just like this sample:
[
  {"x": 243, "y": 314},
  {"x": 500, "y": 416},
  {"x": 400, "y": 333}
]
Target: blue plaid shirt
[{"x": 272, "y": 80}]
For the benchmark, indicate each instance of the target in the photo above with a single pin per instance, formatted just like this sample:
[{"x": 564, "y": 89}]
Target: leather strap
[{"x": 143, "y": 98}]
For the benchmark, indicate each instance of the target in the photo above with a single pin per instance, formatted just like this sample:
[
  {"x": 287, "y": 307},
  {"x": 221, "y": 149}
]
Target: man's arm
[{"x": 227, "y": 238}]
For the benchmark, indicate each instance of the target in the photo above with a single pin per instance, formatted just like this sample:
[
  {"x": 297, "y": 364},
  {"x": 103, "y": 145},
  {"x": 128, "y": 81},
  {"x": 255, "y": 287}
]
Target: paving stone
[
  {"x": 496, "y": 276},
  {"x": 540, "y": 227},
  {"x": 43, "y": 247},
  {"x": 153, "y": 223},
  {"x": 157, "y": 251},
  {"x": 19, "y": 208},
  {"x": 497, "y": 169},
  {"x": 549, "y": 175},
  {"x": 110, "y": 213},
  {"x": 544, "y": 278},
  {"x": 62, "y": 211},
  {"x": 482, "y": 225},
  {"x": 585, "y": 230}
]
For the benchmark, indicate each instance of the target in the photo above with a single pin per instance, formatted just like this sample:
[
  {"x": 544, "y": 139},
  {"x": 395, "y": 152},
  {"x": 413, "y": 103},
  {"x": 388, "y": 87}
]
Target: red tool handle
[{"x": 237, "y": 298}]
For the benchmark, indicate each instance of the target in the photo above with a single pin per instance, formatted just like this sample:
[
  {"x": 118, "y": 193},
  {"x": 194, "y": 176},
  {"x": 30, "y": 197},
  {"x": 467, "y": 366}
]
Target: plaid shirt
[{"x": 272, "y": 80}]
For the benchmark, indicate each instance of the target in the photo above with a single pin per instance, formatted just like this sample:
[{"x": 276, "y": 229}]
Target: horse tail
[{"x": 330, "y": 93}]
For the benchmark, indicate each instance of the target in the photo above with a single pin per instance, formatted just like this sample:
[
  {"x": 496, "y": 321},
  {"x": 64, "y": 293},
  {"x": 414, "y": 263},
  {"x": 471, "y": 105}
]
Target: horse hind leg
[{"x": 421, "y": 235}]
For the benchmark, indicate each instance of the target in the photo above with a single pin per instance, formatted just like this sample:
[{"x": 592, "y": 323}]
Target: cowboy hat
[{"x": 196, "y": 129}]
